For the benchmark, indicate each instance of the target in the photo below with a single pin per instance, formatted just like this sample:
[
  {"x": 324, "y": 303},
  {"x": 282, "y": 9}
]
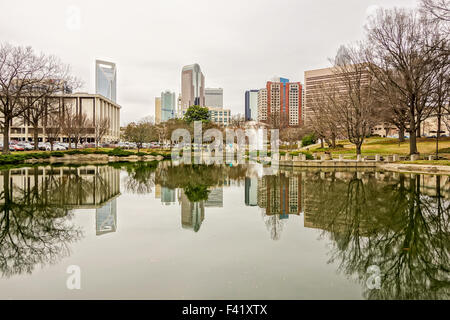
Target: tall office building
[
  {"x": 168, "y": 105},
  {"x": 106, "y": 218},
  {"x": 106, "y": 79},
  {"x": 214, "y": 97},
  {"x": 281, "y": 102},
  {"x": 192, "y": 86},
  {"x": 251, "y": 105},
  {"x": 158, "y": 110}
]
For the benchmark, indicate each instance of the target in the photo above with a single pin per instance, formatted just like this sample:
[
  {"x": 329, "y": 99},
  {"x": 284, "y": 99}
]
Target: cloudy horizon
[{"x": 239, "y": 45}]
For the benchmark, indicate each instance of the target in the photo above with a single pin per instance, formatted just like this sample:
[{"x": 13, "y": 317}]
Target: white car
[{"x": 56, "y": 147}]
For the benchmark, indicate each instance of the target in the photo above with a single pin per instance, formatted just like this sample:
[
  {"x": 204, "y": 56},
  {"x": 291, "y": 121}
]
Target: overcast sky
[{"x": 239, "y": 44}]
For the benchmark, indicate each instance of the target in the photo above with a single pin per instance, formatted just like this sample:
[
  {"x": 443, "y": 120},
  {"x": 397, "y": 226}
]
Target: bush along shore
[{"x": 82, "y": 156}]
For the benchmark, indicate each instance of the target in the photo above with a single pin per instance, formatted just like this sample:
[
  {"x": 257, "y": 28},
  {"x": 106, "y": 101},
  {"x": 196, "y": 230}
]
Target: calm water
[{"x": 158, "y": 231}]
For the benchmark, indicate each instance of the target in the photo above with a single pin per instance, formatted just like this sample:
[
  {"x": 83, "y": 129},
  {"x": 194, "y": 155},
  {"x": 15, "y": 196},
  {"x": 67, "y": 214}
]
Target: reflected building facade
[
  {"x": 251, "y": 191},
  {"x": 106, "y": 218},
  {"x": 192, "y": 213}
]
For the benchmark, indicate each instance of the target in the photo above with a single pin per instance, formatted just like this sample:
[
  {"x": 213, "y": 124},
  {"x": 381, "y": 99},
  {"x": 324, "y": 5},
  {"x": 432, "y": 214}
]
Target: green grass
[
  {"x": 16, "y": 158},
  {"x": 387, "y": 146}
]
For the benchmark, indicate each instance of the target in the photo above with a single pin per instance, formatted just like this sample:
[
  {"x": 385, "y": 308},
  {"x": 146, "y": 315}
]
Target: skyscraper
[
  {"x": 214, "y": 97},
  {"x": 280, "y": 103},
  {"x": 168, "y": 105},
  {"x": 106, "y": 79},
  {"x": 158, "y": 110},
  {"x": 192, "y": 86},
  {"x": 251, "y": 105}
]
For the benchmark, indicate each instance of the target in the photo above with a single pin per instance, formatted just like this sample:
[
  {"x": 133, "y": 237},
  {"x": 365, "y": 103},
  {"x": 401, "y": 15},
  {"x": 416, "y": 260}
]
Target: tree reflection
[
  {"x": 34, "y": 228},
  {"x": 390, "y": 224},
  {"x": 140, "y": 179}
]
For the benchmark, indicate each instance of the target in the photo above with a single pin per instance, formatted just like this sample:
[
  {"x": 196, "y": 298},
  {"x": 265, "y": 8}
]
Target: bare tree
[
  {"x": 80, "y": 127},
  {"x": 140, "y": 133},
  {"x": 351, "y": 96},
  {"x": 52, "y": 127},
  {"x": 401, "y": 50},
  {"x": 101, "y": 128},
  {"x": 20, "y": 71},
  {"x": 440, "y": 9},
  {"x": 324, "y": 122}
]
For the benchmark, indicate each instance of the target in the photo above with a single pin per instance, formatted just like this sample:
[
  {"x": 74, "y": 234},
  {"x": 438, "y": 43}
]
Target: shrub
[
  {"x": 309, "y": 139},
  {"x": 57, "y": 154}
]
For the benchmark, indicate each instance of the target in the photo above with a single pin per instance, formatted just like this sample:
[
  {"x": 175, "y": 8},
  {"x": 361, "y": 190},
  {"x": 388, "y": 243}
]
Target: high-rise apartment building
[
  {"x": 214, "y": 97},
  {"x": 158, "y": 110},
  {"x": 106, "y": 79},
  {"x": 280, "y": 103},
  {"x": 168, "y": 105},
  {"x": 192, "y": 86},
  {"x": 251, "y": 105}
]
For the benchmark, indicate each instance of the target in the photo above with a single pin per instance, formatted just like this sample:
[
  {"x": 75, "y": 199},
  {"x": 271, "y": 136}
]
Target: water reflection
[
  {"x": 35, "y": 212},
  {"x": 397, "y": 222}
]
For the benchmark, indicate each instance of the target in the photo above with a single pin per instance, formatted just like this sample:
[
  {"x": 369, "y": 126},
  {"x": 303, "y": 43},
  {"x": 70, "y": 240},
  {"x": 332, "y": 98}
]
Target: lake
[{"x": 164, "y": 231}]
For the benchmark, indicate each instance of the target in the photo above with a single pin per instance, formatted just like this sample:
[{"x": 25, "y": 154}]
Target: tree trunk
[
  {"x": 412, "y": 129},
  {"x": 358, "y": 149},
  {"x": 321, "y": 143},
  {"x": 36, "y": 137},
  {"x": 401, "y": 134},
  {"x": 418, "y": 135},
  {"x": 6, "y": 137},
  {"x": 438, "y": 134}
]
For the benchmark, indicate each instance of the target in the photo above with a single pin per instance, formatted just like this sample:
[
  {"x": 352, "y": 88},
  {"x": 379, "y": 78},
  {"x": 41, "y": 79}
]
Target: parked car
[
  {"x": 25, "y": 145},
  {"x": 16, "y": 147}
]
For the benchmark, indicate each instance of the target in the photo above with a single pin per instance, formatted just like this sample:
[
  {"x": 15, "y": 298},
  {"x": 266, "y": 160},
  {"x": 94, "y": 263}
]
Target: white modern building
[{"x": 95, "y": 106}]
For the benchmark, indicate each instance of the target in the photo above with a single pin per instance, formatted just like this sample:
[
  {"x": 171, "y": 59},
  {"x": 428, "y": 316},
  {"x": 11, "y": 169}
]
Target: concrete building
[
  {"x": 262, "y": 105},
  {"x": 316, "y": 81},
  {"x": 95, "y": 106},
  {"x": 220, "y": 116},
  {"x": 214, "y": 97},
  {"x": 106, "y": 79},
  {"x": 168, "y": 105},
  {"x": 192, "y": 86},
  {"x": 280, "y": 103},
  {"x": 158, "y": 110},
  {"x": 251, "y": 105},
  {"x": 428, "y": 128}
]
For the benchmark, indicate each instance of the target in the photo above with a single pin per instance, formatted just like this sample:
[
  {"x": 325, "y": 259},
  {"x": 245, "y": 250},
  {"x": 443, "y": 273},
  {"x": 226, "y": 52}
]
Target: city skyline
[{"x": 238, "y": 37}]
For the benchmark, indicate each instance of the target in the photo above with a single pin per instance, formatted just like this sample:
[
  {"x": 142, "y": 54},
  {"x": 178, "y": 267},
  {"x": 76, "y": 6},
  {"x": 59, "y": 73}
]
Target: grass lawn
[{"x": 386, "y": 146}]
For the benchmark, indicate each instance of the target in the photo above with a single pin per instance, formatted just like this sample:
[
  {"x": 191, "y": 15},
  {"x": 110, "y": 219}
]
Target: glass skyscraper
[
  {"x": 106, "y": 79},
  {"x": 168, "y": 105}
]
